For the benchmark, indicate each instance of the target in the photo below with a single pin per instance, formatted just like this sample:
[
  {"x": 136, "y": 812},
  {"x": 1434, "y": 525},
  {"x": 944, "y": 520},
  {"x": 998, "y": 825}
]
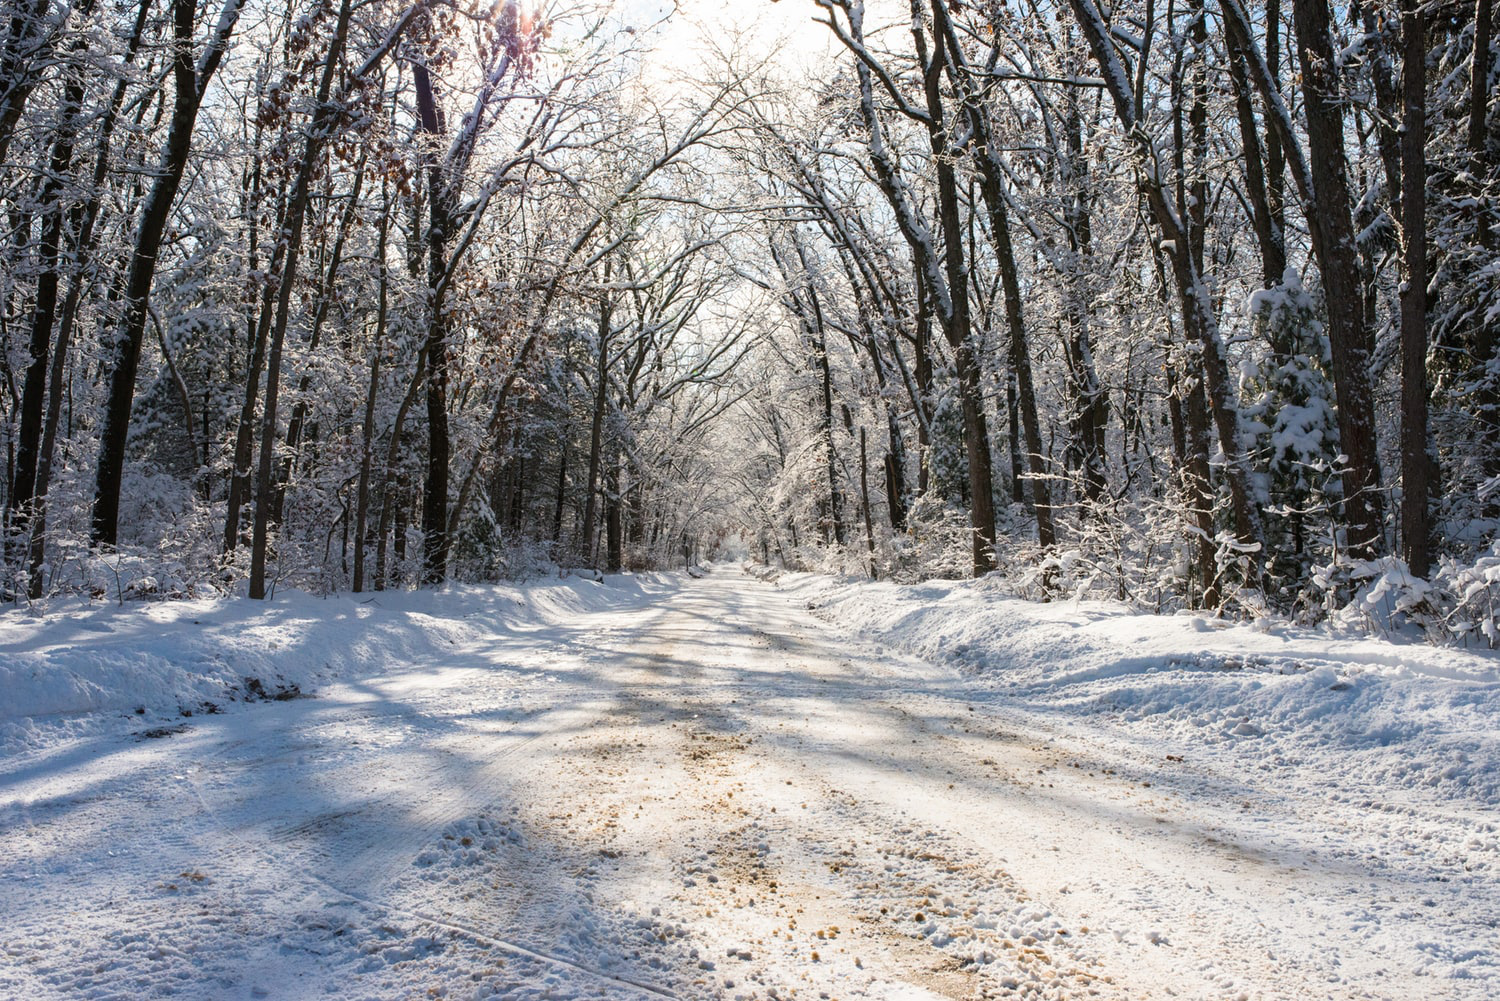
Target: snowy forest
[
  {"x": 1185, "y": 303},
  {"x": 903, "y": 500}
]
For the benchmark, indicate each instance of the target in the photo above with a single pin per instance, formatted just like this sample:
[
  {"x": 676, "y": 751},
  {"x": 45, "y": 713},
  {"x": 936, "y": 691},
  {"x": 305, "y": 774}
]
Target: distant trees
[
  {"x": 263, "y": 281},
  {"x": 1257, "y": 406},
  {"x": 1190, "y": 304}
]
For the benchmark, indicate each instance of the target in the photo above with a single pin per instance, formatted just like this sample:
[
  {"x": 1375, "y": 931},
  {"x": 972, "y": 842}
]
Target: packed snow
[{"x": 741, "y": 786}]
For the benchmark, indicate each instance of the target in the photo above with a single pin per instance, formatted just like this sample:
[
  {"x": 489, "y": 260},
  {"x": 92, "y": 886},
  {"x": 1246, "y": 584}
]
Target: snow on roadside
[
  {"x": 1384, "y": 758},
  {"x": 1432, "y": 713},
  {"x": 1268, "y": 805},
  {"x": 72, "y": 663}
]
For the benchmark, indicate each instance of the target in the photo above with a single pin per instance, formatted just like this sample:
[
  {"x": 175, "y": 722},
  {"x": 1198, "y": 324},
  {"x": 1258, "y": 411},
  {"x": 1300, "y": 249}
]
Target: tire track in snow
[{"x": 741, "y": 872}]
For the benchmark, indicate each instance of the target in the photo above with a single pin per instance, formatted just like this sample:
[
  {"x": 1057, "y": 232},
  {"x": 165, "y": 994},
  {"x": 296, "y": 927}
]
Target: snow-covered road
[{"x": 698, "y": 791}]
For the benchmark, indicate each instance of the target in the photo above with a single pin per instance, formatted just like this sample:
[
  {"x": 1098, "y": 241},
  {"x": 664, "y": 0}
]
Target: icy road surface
[{"x": 701, "y": 793}]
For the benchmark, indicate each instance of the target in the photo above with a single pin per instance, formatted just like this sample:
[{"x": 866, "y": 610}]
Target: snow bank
[
  {"x": 77, "y": 657},
  {"x": 1389, "y": 715}
]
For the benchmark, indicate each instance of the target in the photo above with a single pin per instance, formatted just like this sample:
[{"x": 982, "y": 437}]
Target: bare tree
[{"x": 191, "y": 80}]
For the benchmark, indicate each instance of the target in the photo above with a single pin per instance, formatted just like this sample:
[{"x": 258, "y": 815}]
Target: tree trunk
[
  {"x": 240, "y": 481},
  {"x": 868, "y": 294},
  {"x": 614, "y": 535},
  {"x": 1322, "y": 180},
  {"x": 1479, "y": 91},
  {"x": 367, "y": 434},
  {"x": 944, "y": 273},
  {"x": 396, "y": 499},
  {"x": 562, "y": 491},
  {"x": 922, "y": 400},
  {"x": 83, "y": 249},
  {"x": 864, "y": 492},
  {"x": 992, "y": 181},
  {"x": 1266, "y": 223},
  {"x": 325, "y": 296},
  {"x": 1197, "y": 485},
  {"x": 957, "y": 324},
  {"x": 825, "y": 427},
  {"x": 1090, "y": 404},
  {"x": 1275, "y": 153},
  {"x": 43, "y": 316},
  {"x": 1013, "y": 430},
  {"x": 596, "y": 428},
  {"x": 1338, "y": 260},
  {"x": 392, "y": 456},
  {"x": 125, "y": 356},
  {"x": 19, "y": 75},
  {"x": 435, "y": 538},
  {"x": 895, "y": 470},
  {"x": 1416, "y": 464}
]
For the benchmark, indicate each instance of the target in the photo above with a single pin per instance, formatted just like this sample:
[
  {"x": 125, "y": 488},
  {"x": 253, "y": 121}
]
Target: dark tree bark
[
  {"x": 493, "y": 433},
  {"x": 1416, "y": 464},
  {"x": 1013, "y": 430},
  {"x": 521, "y": 480},
  {"x": 957, "y": 325},
  {"x": 830, "y": 453},
  {"x": 1375, "y": 240},
  {"x": 614, "y": 529},
  {"x": 324, "y": 299},
  {"x": 283, "y": 265},
  {"x": 1275, "y": 153},
  {"x": 942, "y": 272},
  {"x": 1197, "y": 483},
  {"x": 1018, "y": 355},
  {"x": 1484, "y": 159},
  {"x": 445, "y": 176},
  {"x": 922, "y": 397},
  {"x": 258, "y": 325},
  {"x": 596, "y": 427},
  {"x": 562, "y": 494},
  {"x": 864, "y": 493},
  {"x": 1187, "y": 417},
  {"x": 1193, "y": 194},
  {"x": 367, "y": 430},
  {"x": 125, "y": 354},
  {"x": 1479, "y": 89},
  {"x": 44, "y": 311},
  {"x": 811, "y": 313},
  {"x": 1090, "y": 404},
  {"x": 435, "y": 539},
  {"x": 24, "y": 52},
  {"x": 391, "y": 479},
  {"x": 801, "y": 299},
  {"x": 868, "y": 295},
  {"x": 1265, "y": 221},
  {"x": 1338, "y": 259},
  {"x": 397, "y": 499}
]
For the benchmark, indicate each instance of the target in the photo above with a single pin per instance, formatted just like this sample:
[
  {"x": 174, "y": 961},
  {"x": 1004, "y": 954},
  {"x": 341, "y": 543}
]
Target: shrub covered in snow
[{"x": 1461, "y": 604}]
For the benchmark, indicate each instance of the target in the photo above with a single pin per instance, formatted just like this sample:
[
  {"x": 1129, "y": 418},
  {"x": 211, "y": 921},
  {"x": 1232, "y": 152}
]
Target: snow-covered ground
[{"x": 735, "y": 787}]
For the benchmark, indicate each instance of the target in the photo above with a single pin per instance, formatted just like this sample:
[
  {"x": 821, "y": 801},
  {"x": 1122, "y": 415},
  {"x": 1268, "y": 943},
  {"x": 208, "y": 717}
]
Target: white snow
[{"x": 732, "y": 787}]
